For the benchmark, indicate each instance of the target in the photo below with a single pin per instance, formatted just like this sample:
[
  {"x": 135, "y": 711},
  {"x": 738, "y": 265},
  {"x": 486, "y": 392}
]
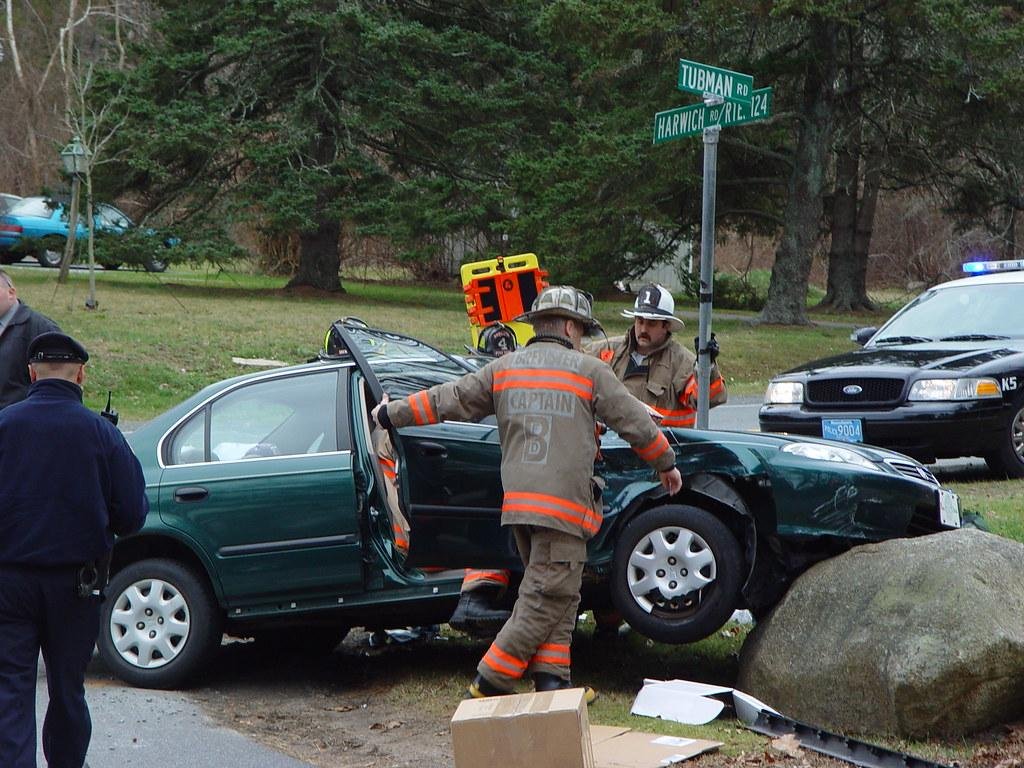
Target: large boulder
[{"x": 912, "y": 637}]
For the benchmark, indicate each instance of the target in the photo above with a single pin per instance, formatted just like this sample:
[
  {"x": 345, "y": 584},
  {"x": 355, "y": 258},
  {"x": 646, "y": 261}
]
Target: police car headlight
[
  {"x": 784, "y": 392},
  {"x": 954, "y": 389},
  {"x": 821, "y": 452}
]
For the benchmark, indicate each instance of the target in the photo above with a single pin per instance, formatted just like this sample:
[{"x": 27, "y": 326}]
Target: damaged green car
[{"x": 269, "y": 516}]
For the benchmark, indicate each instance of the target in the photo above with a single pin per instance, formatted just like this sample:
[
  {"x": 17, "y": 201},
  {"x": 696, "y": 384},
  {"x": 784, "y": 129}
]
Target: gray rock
[{"x": 910, "y": 637}]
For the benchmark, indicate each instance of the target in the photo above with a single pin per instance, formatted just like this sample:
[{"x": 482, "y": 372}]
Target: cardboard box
[{"x": 532, "y": 730}]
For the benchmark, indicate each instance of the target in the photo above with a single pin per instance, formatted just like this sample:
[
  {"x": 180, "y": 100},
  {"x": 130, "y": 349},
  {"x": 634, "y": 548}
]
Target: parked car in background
[
  {"x": 943, "y": 378},
  {"x": 269, "y": 517},
  {"x": 39, "y": 226}
]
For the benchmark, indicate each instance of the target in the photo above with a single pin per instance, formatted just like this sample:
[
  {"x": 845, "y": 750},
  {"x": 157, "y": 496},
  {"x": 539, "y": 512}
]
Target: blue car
[{"x": 38, "y": 226}]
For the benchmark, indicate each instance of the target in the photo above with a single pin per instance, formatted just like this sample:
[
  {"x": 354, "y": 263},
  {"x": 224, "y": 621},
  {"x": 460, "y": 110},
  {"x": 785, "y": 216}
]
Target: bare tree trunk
[
  {"x": 36, "y": 179},
  {"x": 72, "y": 240},
  {"x": 787, "y": 291},
  {"x": 319, "y": 255}
]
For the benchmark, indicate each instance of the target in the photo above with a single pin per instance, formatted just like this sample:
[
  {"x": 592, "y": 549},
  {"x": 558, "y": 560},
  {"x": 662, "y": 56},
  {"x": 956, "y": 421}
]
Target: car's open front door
[{"x": 448, "y": 474}]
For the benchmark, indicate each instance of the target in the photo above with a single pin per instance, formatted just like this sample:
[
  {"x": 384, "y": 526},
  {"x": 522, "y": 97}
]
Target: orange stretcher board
[{"x": 500, "y": 289}]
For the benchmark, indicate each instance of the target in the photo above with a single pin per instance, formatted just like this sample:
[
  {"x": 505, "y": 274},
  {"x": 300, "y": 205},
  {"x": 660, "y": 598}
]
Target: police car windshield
[{"x": 962, "y": 313}]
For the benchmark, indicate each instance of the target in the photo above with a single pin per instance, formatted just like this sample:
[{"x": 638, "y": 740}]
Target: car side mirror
[{"x": 861, "y": 335}]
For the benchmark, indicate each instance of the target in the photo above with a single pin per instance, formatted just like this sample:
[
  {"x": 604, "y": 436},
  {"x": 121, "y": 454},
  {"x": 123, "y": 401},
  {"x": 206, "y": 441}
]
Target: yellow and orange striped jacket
[{"x": 546, "y": 399}]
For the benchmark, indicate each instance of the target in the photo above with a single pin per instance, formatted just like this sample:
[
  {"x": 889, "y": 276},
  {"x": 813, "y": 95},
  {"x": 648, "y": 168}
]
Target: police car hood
[{"x": 952, "y": 357}]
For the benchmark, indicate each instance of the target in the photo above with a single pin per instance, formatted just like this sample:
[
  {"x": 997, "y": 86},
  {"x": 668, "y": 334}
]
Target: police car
[{"x": 943, "y": 378}]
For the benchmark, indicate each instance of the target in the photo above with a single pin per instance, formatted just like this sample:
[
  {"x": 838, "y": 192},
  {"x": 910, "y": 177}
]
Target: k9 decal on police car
[
  {"x": 1009, "y": 383},
  {"x": 538, "y": 439}
]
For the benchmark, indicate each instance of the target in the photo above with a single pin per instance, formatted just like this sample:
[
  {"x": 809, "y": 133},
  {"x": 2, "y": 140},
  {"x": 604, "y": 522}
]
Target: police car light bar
[{"x": 982, "y": 267}]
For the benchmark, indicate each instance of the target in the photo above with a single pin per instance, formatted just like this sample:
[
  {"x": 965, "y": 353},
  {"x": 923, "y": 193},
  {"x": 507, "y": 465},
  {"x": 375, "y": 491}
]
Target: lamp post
[{"x": 75, "y": 160}]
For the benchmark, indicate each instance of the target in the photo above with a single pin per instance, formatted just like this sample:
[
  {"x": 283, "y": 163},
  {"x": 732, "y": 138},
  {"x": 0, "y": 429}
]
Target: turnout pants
[
  {"x": 39, "y": 610},
  {"x": 538, "y": 635}
]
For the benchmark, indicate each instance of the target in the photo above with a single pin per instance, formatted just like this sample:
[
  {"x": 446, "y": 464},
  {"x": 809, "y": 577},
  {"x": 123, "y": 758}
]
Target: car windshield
[
  {"x": 381, "y": 348},
  {"x": 963, "y": 313}
]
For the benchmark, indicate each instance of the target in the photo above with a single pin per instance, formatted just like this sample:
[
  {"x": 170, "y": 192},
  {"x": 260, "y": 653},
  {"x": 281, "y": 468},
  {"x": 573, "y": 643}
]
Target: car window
[
  {"x": 189, "y": 444},
  {"x": 996, "y": 310},
  {"x": 109, "y": 216},
  {"x": 288, "y": 416},
  {"x": 32, "y": 206}
]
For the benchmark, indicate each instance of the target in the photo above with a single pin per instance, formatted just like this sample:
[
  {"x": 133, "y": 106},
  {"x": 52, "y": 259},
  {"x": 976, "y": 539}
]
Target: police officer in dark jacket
[
  {"x": 68, "y": 483},
  {"x": 19, "y": 324}
]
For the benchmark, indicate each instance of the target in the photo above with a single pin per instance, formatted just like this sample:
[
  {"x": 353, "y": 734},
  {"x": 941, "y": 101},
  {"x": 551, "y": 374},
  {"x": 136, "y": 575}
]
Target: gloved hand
[{"x": 713, "y": 348}]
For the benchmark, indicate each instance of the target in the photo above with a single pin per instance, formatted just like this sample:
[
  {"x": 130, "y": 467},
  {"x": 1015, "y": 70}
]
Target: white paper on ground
[
  {"x": 688, "y": 686},
  {"x": 659, "y": 700}
]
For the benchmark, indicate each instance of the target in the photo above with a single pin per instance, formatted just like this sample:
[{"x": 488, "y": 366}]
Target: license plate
[
  {"x": 949, "y": 508},
  {"x": 846, "y": 430}
]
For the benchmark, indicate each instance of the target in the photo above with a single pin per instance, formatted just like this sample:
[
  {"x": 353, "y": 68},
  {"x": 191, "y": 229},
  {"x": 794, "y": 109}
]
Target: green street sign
[
  {"x": 679, "y": 123},
  {"x": 693, "y": 119},
  {"x": 759, "y": 108},
  {"x": 695, "y": 77}
]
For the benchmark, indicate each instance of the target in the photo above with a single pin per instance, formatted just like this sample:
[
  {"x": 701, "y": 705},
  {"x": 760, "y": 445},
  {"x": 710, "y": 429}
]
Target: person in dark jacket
[
  {"x": 19, "y": 324},
  {"x": 68, "y": 483}
]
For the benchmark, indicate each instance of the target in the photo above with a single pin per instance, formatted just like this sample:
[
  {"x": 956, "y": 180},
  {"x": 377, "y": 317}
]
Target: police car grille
[
  {"x": 831, "y": 391},
  {"x": 912, "y": 469}
]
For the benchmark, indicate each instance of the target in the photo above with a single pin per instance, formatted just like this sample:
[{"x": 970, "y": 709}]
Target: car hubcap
[
  {"x": 149, "y": 623},
  {"x": 668, "y": 569},
  {"x": 1017, "y": 434}
]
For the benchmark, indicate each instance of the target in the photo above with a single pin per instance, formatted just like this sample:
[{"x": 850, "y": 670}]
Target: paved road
[{"x": 135, "y": 727}]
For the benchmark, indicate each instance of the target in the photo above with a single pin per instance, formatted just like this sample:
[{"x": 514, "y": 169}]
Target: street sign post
[
  {"x": 729, "y": 99},
  {"x": 698, "y": 78}
]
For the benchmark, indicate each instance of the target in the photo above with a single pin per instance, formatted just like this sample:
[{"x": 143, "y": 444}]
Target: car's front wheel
[
  {"x": 160, "y": 624},
  {"x": 1007, "y": 460},
  {"x": 677, "y": 573},
  {"x": 155, "y": 265}
]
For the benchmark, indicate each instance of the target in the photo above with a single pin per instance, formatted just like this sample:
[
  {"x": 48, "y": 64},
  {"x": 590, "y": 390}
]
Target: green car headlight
[
  {"x": 954, "y": 389},
  {"x": 784, "y": 392},
  {"x": 822, "y": 452}
]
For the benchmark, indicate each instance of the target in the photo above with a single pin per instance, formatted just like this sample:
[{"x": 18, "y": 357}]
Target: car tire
[
  {"x": 49, "y": 252},
  {"x": 9, "y": 257},
  {"x": 1008, "y": 459},
  {"x": 654, "y": 590},
  {"x": 110, "y": 264},
  {"x": 159, "y": 624},
  {"x": 155, "y": 265}
]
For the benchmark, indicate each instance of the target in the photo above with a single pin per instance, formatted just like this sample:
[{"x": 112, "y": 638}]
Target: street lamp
[{"x": 75, "y": 159}]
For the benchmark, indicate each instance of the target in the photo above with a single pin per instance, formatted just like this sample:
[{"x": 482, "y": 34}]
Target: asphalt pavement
[{"x": 136, "y": 727}]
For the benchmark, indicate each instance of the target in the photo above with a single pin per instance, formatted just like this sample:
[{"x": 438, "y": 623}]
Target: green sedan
[{"x": 269, "y": 519}]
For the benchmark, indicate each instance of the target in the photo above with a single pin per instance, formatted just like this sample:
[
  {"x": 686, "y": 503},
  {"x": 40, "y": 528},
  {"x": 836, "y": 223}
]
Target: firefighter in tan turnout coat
[
  {"x": 547, "y": 398},
  {"x": 654, "y": 366}
]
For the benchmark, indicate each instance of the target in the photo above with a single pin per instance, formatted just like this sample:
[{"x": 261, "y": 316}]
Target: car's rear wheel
[
  {"x": 677, "y": 573},
  {"x": 50, "y": 251},
  {"x": 155, "y": 265},
  {"x": 110, "y": 264},
  {"x": 160, "y": 624},
  {"x": 10, "y": 257},
  {"x": 1008, "y": 458}
]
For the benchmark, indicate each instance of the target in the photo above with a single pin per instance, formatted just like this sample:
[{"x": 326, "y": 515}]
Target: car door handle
[
  {"x": 432, "y": 449},
  {"x": 191, "y": 493}
]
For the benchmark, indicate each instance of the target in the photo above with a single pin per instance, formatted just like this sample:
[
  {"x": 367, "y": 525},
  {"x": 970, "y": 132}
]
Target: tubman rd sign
[{"x": 702, "y": 78}]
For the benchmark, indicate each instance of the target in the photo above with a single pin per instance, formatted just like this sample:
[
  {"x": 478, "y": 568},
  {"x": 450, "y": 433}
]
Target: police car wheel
[
  {"x": 676, "y": 574},
  {"x": 1008, "y": 459},
  {"x": 159, "y": 624}
]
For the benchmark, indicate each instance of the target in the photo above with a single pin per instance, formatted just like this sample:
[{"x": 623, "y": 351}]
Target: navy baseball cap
[{"x": 56, "y": 347}]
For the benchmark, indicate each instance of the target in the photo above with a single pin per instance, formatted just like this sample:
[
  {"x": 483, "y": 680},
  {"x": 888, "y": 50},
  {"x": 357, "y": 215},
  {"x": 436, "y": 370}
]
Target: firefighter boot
[
  {"x": 481, "y": 689},
  {"x": 545, "y": 681},
  {"x": 476, "y": 611}
]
